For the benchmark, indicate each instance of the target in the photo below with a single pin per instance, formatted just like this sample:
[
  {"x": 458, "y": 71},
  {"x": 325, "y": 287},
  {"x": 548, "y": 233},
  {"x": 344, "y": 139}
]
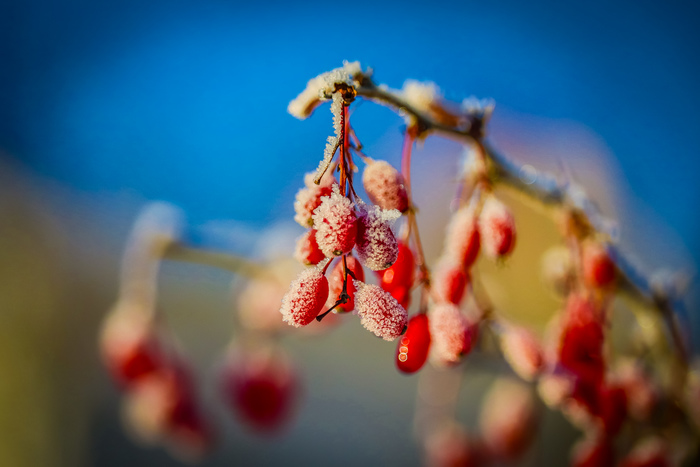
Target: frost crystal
[
  {"x": 305, "y": 298},
  {"x": 379, "y": 311},
  {"x": 309, "y": 198},
  {"x": 377, "y": 247},
  {"x": 322, "y": 86},
  {"x": 336, "y": 224},
  {"x": 522, "y": 351},
  {"x": 307, "y": 251},
  {"x": 385, "y": 186},
  {"x": 420, "y": 95},
  {"x": 450, "y": 333}
]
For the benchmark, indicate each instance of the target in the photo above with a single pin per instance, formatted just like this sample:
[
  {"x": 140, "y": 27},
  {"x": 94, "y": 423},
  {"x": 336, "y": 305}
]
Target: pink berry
[
  {"x": 307, "y": 251},
  {"x": 335, "y": 222},
  {"x": 385, "y": 186},
  {"x": 522, "y": 351},
  {"x": 450, "y": 445},
  {"x": 652, "y": 451},
  {"x": 261, "y": 387},
  {"x": 412, "y": 351},
  {"x": 335, "y": 283},
  {"x": 309, "y": 197},
  {"x": 497, "y": 228},
  {"x": 380, "y": 313},
  {"x": 462, "y": 241},
  {"x": 449, "y": 282},
  {"x": 593, "y": 452},
  {"x": 452, "y": 334},
  {"x": 377, "y": 247},
  {"x": 581, "y": 341},
  {"x": 508, "y": 419},
  {"x": 598, "y": 267},
  {"x": 305, "y": 298}
]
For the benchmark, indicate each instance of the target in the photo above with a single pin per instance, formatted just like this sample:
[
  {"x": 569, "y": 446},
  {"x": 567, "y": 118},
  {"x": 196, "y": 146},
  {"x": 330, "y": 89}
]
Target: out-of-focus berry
[
  {"x": 385, "y": 186},
  {"x": 581, "y": 340},
  {"x": 463, "y": 240},
  {"x": 307, "y": 251},
  {"x": 522, "y": 351},
  {"x": 335, "y": 222},
  {"x": 380, "y": 313},
  {"x": 642, "y": 394},
  {"x": 413, "y": 348},
  {"x": 451, "y": 446},
  {"x": 649, "y": 452},
  {"x": 309, "y": 197},
  {"x": 377, "y": 247},
  {"x": 448, "y": 282},
  {"x": 557, "y": 269},
  {"x": 261, "y": 387},
  {"x": 598, "y": 267},
  {"x": 497, "y": 228},
  {"x": 593, "y": 452},
  {"x": 305, "y": 298},
  {"x": 508, "y": 419},
  {"x": 335, "y": 283},
  {"x": 452, "y": 334}
]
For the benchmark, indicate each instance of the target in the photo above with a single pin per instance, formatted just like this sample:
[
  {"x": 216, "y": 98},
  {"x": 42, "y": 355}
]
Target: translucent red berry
[
  {"x": 376, "y": 245},
  {"x": 385, "y": 186},
  {"x": 452, "y": 334},
  {"x": 463, "y": 240},
  {"x": 307, "y": 251},
  {"x": 581, "y": 341},
  {"x": 449, "y": 282},
  {"x": 305, "y": 298},
  {"x": 335, "y": 222},
  {"x": 309, "y": 197},
  {"x": 401, "y": 274},
  {"x": 598, "y": 267},
  {"x": 412, "y": 351},
  {"x": 335, "y": 283},
  {"x": 261, "y": 387},
  {"x": 497, "y": 228},
  {"x": 380, "y": 313}
]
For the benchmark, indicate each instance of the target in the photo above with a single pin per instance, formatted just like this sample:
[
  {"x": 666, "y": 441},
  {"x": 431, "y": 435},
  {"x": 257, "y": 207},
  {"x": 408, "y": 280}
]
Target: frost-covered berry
[
  {"x": 522, "y": 351},
  {"x": 307, "y": 251},
  {"x": 593, "y": 452},
  {"x": 261, "y": 387},
  {"x": 462, "y": 240},
  {"x": 450, "y": 445},
  {"x": 497, "y": 228},
  {"x": 412, "y": 351},
  {"x": 309, "y": 198},
  {"x": 379, "y": 311},
  {"x": 598, "y": 267},
  {"x": 508, "y": 419},
  {"x": 377, "y": 247},
  {"x": 335, "y": 283},
  {"x": 305, "y": 298},
  {"x": 385, "y": 186},
  {"x": 452, "y": 334},
  {"x": 335, "y": 222},
  {"x": 448, "y": 282}
]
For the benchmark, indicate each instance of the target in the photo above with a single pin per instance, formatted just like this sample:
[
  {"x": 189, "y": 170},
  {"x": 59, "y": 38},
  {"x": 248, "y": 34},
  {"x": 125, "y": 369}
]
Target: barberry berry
[
  {"x": 379, "y": 311},
  {"x": 451, "y": 333},
  {"x": 305, "y": 298},
  {"x": 522, "y": 351},
  {"x": 497, "y": 228},
  {"x": 335, "y": 222},
  {"x": 463, "y": 239},
  {"x": 385, "y": 186},
  {"x": 309, "y": 197},
  {"x": 598, "y": 267},
  {"x": 448, "y": 282},
  {"x": 412, "y": 351},
  {"x": 335, "y": 283},
  {"x": 377, "y": 247},
  {"x": 307, "y": 251}
]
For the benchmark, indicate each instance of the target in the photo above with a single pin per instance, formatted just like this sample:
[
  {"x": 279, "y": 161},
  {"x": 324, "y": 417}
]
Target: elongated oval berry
[
  {"x": 652, "y": 451},
  {"x": 377, "y": 247},
  {"x": 261, "y": 387},
  {"x": 309, "y": 197},
  {"x": 305, "y": 298},
  {"x": 581, "y": 341},
  {"x": 598, "y": 267},
  {"x": 335, "y": 222},
  {"x": 335, "y": 283},
  {"x": 452, "y": 334},
  {"x": 522, "y": 351},
  {"x": 463, "y": 239},
  {"x": 508, "y": 419},
  {"x": 401, "y": 273},
  {"x": 380, "y": 313},
  {"x": 594, "y": 451},
  {"x": 385, "y": 186},
  {"x": 497, "y": 228},
  {"x": 448, "y": 282},
  {"x": 307, "y": 251},
  {"x": 413, "y": 348}
]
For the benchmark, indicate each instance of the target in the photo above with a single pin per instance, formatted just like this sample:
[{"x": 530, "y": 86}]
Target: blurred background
[{"x": 105, "y": 106}]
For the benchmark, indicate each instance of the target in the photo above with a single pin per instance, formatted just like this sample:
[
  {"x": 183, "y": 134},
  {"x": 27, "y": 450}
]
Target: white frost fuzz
[
  {"x": 306, "y": 296},
  {"x": 377, "y": 247},
  {"x": 385, "y": 186},
  {"x": 309, "y": 198},
  {"x": 522, "y": 351},
  {"x": 335, "y": 222},
  {"x": 450, "y": 334},
  {"x": 380, "y": 313}
]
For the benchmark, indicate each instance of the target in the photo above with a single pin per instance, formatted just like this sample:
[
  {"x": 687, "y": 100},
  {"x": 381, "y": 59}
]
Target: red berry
[
  {"x": 593, "y": 452},
  {"x": 376, "y": 245},
  {"x": 598, "y": 267},
  {"x": 463, "y": 240},
  {"x": 449, "y": 282},
  {"x": 451, "y": 333},
  {"x": 402, "y": 295},
  {"x": 613, "y": 408},
  {"x": 522, "y": 351},
  {"x": 401, "y": 273},
  {"x": 309, "y": 197},
  {"x": 385, "y": 186},
  {"x": 307, "y": 251},
  {"x": 413, "y": 348},
  {"x": 581, "y": 341},
  {"x": 497, "y": 228},
  {"x": 379, "y": 311},
  {"x": 335, "y": 222},
  {"x": 649, "y": 452},
  {"x": 335, "y": 283},
  {"x": 305, "y": 298}
]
